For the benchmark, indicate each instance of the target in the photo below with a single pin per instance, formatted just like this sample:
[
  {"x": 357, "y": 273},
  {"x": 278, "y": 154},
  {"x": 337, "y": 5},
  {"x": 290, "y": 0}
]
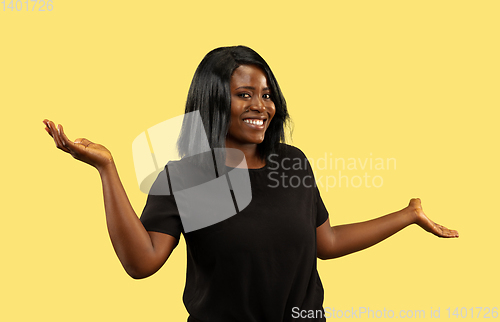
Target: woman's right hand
[
  {"x": 81, "y": 149},
  {"x": 141, "y": 253}
]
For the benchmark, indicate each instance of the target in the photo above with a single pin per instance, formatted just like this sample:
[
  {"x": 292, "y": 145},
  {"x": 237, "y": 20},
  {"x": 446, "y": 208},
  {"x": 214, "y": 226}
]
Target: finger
[
  {"x": 55, "y": 132},
  {"x": 47, "y": 129},
  {"x": 445, "y": 229},
  {"x": 51, "y": 127},
  {"x": 64, "y": 139},
  {"x": 57, "y": 139},
  {"x": 445, "y": 232},
  {"x": 66, "y": 143},
  {"x": 450, "y": 233}
]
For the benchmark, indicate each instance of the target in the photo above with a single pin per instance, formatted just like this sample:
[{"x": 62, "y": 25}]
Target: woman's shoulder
[{"x": 290, "y": 151}]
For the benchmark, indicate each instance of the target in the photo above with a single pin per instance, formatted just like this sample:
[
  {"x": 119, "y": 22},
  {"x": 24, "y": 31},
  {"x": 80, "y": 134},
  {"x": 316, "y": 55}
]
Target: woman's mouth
[{"x": 255, "y": 123}]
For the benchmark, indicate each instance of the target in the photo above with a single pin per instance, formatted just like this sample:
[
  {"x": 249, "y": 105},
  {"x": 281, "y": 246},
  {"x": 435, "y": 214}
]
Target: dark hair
[{"x": 210, "y": 94}]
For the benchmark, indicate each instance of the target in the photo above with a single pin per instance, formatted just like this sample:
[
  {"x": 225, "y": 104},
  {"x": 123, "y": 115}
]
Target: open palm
[
  {"x": 423, "y": 221},
  {"x": 81, "y": 149}
]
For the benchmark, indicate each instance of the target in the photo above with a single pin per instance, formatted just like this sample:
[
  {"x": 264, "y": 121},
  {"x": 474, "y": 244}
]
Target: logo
[{"x": 206, "y": 191}]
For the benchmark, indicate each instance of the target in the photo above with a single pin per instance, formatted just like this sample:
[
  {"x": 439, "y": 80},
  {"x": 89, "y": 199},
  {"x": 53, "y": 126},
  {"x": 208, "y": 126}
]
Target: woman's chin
[
  {"x": 259, "y": 141},
  {"x": 248, "y": 140},
  {"x": 256, "y": 139}
]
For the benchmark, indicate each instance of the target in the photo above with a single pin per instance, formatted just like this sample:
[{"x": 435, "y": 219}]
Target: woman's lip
[
  {"x": 255, "y": 118},
  {"x": 255, "y": 126}
]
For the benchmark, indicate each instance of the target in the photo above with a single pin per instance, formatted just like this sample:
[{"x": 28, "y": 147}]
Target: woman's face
[{"x": 251, "y": 107}]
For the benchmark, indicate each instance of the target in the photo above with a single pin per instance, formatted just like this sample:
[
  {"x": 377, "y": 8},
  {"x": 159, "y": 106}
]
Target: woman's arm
[
  {"x": 341, "y": 240},
  {"x": 141, "y": 253}
]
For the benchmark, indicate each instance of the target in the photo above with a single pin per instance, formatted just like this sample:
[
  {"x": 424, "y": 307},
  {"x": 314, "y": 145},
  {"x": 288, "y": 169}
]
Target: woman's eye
[
  {"x": 267, "y": 96},
  {"x": 244, "y": 95}
]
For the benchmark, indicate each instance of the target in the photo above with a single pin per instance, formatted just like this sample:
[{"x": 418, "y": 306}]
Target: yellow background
[{"x": 417, "y": 81}]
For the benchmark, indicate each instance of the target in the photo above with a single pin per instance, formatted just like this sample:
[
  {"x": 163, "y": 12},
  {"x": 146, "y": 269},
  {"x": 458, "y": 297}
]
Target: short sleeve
[
  {"x": 161, "y": 215},
  {"x": 321, "y": 212}
]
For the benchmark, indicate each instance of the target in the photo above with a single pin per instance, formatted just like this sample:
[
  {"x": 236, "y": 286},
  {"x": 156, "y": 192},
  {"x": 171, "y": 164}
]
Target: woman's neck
[{"x": 252, "y": 156}]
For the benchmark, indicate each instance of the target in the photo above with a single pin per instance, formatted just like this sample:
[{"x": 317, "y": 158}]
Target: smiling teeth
[{"x": 255, "y": 122}]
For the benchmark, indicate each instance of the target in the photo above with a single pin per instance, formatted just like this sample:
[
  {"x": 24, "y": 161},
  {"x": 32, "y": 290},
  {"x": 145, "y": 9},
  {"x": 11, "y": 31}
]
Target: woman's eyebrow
[
  {"x": 252, "y": 88},
  {"x": 246, "y": 87}
]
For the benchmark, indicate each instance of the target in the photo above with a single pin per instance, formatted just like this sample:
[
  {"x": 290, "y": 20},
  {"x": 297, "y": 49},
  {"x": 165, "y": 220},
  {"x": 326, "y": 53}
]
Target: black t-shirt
[{"x": 260, "y": 264}]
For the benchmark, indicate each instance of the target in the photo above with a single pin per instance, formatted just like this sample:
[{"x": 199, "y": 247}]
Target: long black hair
[{"x": 210, "y": 95}]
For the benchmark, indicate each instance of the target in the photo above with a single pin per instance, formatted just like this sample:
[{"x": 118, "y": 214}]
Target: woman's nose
[{"x": 258, "y": 105}]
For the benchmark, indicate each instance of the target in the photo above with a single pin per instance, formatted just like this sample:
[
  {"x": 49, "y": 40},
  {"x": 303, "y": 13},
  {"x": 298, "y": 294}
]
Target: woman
[{"x": 260, "y": 264}]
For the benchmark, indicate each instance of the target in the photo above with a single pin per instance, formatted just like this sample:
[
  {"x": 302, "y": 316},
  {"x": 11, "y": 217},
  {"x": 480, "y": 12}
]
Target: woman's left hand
[{"x": 423, "y": 221}]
